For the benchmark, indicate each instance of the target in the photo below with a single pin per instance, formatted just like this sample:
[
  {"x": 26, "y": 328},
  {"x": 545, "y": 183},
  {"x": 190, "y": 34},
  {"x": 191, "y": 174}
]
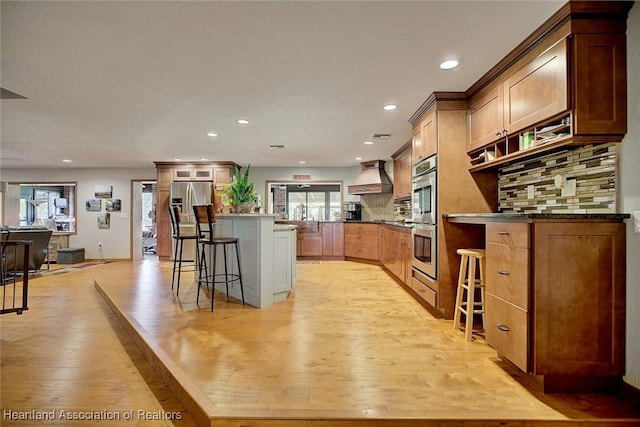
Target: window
[
  {"x": 49, "y": 204},
  {"x": 305, "y": 202}
]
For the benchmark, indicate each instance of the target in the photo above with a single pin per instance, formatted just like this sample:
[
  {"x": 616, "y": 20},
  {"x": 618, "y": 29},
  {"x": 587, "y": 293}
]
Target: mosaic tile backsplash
[
  {"x": 377, "y": 206},
  {"x": 593, "y": 167}
]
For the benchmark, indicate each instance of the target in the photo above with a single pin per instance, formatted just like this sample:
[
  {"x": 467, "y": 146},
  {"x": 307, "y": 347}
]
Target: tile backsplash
[
  {"x": 593, "y": 167},
  {"x": 377, "y": 206}
]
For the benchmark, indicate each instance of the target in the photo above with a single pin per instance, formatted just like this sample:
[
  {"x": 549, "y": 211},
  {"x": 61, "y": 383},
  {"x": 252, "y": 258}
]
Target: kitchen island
[
  {"x": 555, "y": 295},
  {"x": 267, "y": 256}
]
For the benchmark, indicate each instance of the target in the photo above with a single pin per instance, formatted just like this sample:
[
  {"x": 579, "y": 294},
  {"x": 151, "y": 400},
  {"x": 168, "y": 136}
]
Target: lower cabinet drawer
[
  {"x": 507, "y": 330},
  {"x": 508, "y": 274},
  {"x": 420, "y": 283}
]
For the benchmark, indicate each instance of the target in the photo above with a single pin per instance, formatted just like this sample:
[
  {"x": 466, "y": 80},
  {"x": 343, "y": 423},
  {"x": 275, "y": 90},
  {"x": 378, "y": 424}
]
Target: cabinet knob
[
  {"x": 504, "y": 273},
  {"x": 503, "y": 328}
]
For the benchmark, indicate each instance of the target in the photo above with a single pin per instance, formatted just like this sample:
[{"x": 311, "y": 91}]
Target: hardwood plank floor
[{"x": 349, "y": 347}]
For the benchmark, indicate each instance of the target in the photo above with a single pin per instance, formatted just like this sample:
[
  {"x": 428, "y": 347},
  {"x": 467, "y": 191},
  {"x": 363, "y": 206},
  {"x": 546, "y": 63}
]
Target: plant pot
[{"x": 244, "y": 208}]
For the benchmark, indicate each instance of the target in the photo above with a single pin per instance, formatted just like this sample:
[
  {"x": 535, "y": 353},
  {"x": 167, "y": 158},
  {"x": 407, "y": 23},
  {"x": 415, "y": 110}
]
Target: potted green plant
[{"x": 239, "y": 195}]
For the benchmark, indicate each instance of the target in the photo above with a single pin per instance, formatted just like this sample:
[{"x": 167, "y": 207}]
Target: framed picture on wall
[
  {"x": 112, "y": 205},
  {"x": 103, "y": 191},
  {"x": 104, "y": 221},
  {"x": 93, "y": 205}
]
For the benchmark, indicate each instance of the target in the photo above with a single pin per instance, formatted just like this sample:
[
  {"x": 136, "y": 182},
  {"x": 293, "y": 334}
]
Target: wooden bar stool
[{"x": 471, "y": 261}]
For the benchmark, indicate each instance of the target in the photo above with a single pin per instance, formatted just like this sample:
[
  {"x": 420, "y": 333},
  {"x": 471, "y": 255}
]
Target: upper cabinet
[
  {"x": 402, "y": 172},
  {"x": 486, "y": 118},
  {"x": 567, "y": 86},
  {"x": 536, "y": 91},
  {"x": 425, "y": 138}
]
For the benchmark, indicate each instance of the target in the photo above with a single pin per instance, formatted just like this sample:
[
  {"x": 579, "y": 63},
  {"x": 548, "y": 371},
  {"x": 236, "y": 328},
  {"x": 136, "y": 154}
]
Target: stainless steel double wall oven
[{"x": 425, "y": 216}]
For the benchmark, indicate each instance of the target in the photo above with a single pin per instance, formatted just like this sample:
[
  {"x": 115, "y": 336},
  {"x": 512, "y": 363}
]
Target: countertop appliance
[{"x": 352, "y": 211}]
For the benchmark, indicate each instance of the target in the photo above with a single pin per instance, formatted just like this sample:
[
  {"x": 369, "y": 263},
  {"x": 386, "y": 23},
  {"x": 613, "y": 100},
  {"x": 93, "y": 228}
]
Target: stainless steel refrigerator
[{"x": 186, "y": 194}]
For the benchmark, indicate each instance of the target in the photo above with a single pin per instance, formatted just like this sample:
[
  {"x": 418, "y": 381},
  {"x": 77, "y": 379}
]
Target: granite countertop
[{"x": 564, "y": 216}]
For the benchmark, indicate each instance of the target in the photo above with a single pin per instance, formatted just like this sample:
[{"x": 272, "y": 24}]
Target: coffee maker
[{"x": 352, "y": 212}]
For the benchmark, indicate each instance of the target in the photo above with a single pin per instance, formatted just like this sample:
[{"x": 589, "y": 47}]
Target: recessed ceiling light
[
  {"x": 204, "y": 160},
  {"x": 67, "y": 161},
  {"x": 212, "y": 134},
  {"x": 390, "y": 107},
  {"x": 358, "y": 158},
  {"x": 302, "y": 162},
  {"x": 177, "y": 160},
  {"x": 449, "y": 64},
  {"x": 242, "y": 121},
  {"x": 368, "y": 143}
]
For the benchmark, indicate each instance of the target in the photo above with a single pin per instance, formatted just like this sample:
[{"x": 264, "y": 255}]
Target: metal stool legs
[{"x": 205, "y": 277}]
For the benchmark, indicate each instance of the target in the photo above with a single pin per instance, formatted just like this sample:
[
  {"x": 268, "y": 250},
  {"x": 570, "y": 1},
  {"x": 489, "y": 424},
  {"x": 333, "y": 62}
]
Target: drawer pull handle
[
  {"x": 421, "y": 291},
  {"x": 504, "y": 273},
  {"x": 502, "y": 327},
  {"x": 503, "y": 233}
]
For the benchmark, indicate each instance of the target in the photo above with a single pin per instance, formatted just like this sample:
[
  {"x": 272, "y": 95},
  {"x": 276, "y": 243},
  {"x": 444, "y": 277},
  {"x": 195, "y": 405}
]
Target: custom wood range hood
[{"x": 372, "y": 179}]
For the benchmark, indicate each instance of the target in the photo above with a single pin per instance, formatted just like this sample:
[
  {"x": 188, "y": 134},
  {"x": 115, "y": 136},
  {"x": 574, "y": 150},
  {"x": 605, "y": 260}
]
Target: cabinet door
[
  {"x": 486, "y": 118},
  {"x": 538, "y": 90},
  {"x": 507, "y": 330},
  {"x": 429, "y": 136},
  {"x": 327, "y": 239},
  {"x": 310, "y": 245},
  {"x": 579, "y": 298},
  {"x": 402, "y": 175},
  {"x": 416, "y": 143},
  {"x": 222, "y": 174},
  {"x": 601, "y": 108},
  {"x": 338, "y": 239}
]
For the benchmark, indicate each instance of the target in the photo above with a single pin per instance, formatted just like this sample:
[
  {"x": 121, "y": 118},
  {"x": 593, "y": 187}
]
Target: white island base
[{"x": 267, "y": 257}]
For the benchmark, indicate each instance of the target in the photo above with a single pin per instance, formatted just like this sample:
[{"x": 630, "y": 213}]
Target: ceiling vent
[
  {"x": 276, "y": 147},
  {"x": 382, "y": 135}
]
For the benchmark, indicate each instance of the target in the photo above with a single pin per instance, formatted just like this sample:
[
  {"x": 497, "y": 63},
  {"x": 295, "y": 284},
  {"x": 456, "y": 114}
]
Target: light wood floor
[{"x": 349, "y": 347}]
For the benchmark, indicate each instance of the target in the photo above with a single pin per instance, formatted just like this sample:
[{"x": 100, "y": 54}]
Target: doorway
[{"x": 143, "y": 220}]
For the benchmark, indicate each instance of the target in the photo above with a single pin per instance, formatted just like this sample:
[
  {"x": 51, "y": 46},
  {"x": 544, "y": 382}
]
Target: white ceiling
[{"x": 122, "y": 84}]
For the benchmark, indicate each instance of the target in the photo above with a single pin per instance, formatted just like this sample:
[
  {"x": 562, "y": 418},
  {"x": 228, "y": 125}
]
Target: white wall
[
  {"x": 115, "y": 240},
  {"x": 630, "y": 196}
]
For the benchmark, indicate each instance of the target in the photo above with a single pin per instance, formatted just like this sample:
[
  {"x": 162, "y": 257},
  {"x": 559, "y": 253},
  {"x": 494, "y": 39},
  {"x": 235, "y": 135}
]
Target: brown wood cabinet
[
  {"x": 425, "y": 138},
  {"x": 333, "y": 239},
  {"x": 555, "y": 302},
  {"x": 574, "y": 77},
  {"x": 486, "y": 118},
  {"x": 394, "y": 251},
  {"x": 361, "y": 241},
  {"x": 402, "y": 170}
]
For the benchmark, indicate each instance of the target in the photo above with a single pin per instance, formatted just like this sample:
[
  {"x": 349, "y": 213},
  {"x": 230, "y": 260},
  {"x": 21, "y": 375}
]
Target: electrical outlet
[
  {"x": 569, "y": 189},
  {"x": 531, "y": 192}
]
